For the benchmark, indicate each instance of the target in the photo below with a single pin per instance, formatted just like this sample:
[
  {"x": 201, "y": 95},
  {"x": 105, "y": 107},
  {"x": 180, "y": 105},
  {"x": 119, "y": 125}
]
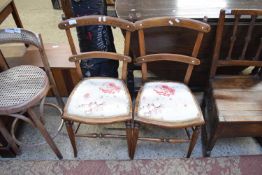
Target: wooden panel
[
  {"x": 241, "y": 130},
  {"x": 237, "y": 83}
]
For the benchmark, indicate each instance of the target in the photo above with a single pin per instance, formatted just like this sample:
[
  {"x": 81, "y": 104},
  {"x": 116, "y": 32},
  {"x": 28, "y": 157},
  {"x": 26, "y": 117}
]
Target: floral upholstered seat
[
  {"x": 168, "y": 102},
  {"x": 98, "y": 98}
]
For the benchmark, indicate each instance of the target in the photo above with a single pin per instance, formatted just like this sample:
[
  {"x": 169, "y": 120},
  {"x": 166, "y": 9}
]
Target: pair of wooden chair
[
  {"x": 232, "y": 103},
  {"x": 107, "y": 100},
  {"x": 25, "y": 86}
]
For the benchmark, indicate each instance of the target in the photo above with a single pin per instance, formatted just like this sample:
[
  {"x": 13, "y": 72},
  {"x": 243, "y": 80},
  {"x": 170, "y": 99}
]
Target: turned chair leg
[
  {"x": 193, "y": 141},
  {"x": 44, "y": 132},
  {"x": 8, "y": 138},
  {"x": 71, "y": 135},
  {"x": 134, "y": 140},
  {"x": 129, "y": 136}
]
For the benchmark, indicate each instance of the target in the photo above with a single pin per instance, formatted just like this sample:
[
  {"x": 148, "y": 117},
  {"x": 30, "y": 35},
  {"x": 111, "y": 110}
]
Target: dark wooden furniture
[
  {"x": 134, "y": 10},
  {"x": 168, "y": 104},
  {"x": 232, "y": 104},
  {"x": 23, "y": 87},
  {"x": 99, "y": 100},
  {"x": 6, "y": 8}
]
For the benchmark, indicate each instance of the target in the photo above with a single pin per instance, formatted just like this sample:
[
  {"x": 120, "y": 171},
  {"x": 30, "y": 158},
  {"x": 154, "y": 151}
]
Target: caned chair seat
[
  {"x": 238, "y": 98},
  {"x": 170, "y": 102},
  {"x": 21, "y": 87},
  {"x": 98, "y": 98}
]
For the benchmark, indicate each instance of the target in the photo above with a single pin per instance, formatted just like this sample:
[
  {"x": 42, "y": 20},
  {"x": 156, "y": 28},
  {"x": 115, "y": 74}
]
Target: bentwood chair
[
  {"x": 99, "y": 100},
  {"x": 232, "y": 103},
  {"x": 25, "y": 86},
  {"x": 168, "y": 104}
]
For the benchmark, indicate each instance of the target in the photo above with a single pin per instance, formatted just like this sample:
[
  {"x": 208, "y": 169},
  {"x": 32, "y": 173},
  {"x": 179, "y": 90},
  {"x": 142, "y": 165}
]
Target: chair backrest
[
  {"x": 18, "y": 35},
  {"x": 125, "y": 25},
  {"x": 107, "y": 55},
  {"x": 199, "y": 27},
  {"x": 252, "y": 18}
]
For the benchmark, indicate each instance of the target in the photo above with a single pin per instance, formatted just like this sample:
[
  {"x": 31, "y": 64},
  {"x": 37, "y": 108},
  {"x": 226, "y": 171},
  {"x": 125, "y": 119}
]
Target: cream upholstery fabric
[
  {"x": 99, "y": 98},
  {"x": 168, "y": 102}
]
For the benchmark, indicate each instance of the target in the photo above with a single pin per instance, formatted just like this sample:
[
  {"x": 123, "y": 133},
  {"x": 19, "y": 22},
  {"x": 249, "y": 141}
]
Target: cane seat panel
[{"x": 21, "y": 85}]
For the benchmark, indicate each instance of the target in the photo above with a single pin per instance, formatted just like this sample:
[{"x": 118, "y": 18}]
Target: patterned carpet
[{"x": 251, "y": 165}]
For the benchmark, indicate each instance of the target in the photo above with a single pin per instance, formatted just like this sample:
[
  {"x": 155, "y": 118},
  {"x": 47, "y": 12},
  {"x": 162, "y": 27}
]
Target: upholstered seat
[
  {"x": 168, "y": 102},
  {"x": 98, "y": 98},
  {"x": 20, "y": 86}
]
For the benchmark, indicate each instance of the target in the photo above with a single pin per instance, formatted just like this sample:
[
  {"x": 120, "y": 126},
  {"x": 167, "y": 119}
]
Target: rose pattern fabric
[
  {"x": 167, "y": 101},
  {"x": 164, "y": 90},
  {"x": 110, "y": 88},
  {"x": 99, "y": 97}
]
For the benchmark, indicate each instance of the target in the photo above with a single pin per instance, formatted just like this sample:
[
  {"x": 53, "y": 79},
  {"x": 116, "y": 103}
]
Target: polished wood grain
[{"x": 142, "y": 9}]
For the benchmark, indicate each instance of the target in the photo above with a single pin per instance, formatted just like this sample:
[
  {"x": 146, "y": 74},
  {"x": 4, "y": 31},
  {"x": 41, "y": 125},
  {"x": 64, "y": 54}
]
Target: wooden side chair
[
  {"x": 99, "y": 100},
  {"x": 25, "y": 86},
  {"x": 168, "y": 104},
  {"x": 232, "y": 103}
]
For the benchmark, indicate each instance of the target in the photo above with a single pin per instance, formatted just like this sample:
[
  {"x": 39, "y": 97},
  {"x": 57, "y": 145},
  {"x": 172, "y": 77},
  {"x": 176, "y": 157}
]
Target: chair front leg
[
  {"x": 193, "y": 141},
  {"x": 71, "y": 135},
  {"x": 134, "y": 140},
  {"x": 129, "y": 136},
  {"x": 44, "y": 132}
]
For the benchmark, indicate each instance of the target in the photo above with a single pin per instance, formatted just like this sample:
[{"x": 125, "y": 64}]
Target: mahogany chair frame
[
  {"x": 29, "y": 38},
  {"x": 216, "y": 127},
  {"x": 128, "y": 27},
  {"x": 192, "y": 61}
]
